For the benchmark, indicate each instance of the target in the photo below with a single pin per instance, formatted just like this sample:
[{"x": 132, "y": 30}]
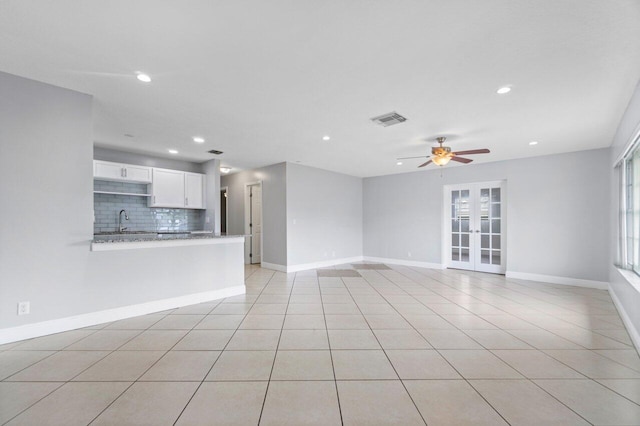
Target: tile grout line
[
  {"x": 275, "y": 355},
  {"x": 445, "y": 359}
]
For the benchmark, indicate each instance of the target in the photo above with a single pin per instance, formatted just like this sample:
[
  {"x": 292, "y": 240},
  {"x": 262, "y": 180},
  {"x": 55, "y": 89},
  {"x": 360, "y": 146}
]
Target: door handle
[{"x": 477, "y": 230}]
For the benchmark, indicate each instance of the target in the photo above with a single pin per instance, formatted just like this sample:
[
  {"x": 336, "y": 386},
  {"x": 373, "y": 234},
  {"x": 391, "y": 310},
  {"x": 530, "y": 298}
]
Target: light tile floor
[{"x": 394, "y": 345}]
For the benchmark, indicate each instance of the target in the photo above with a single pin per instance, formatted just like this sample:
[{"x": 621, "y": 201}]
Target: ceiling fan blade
[
  {"x": 473, "y": 151},
  {"x": 424, "y": 164},
  {"x": 409, "y": 158},
  {"x": 461, "y": 160}
]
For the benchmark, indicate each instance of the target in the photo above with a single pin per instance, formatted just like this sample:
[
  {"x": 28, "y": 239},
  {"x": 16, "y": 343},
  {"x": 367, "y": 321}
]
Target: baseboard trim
[
  {"x": 273, "y": 266},
  {"x": 323, "y": 264},
  {"x": 631, "y": 329},
  {"x": 552, "y": 279},
  {"x": 403, "y": 262},
  {"x": 28, "y": 331}
]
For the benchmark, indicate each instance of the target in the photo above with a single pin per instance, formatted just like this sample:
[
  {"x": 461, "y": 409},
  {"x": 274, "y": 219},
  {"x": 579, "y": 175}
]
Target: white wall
[
  {"x": 324, "y": 215},
  {"x": 274, "y": 210},
  {"x": 624, "y": 293},
  {"x": 46, "y": 184},
  {"x": 558, "y": 223}
]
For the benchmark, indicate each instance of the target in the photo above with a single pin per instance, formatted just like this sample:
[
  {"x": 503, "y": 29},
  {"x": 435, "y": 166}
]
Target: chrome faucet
[{"x": 126, "y": 217}]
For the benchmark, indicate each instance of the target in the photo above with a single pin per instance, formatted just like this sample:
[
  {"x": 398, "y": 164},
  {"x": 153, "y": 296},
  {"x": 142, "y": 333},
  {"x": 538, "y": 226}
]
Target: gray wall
[
  {"x": 274, "y": 208},
  {"x": 106, "y": 154},
  {"x": 46, "y": 184},
  {"x": 627, "y": 294},
  {"x": 557, "y": 223},
  {"x": 327, "y": 210},
  {"x": 211, "y": 219}
]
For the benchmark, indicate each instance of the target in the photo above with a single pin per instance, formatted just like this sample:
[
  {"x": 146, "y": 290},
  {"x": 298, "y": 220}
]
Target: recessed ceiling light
[
  {"x": 198, "y": 139},
  {"x": 173, "y": 151},
  {"x": 533, "y": 143},
  {"x": 326, "y": 138},
  {"x": 503, "y": 90},
  {"x": 399, "y": 163},
  {"x": 225, "y": 169},
  {"x": 143, "y": 77}
]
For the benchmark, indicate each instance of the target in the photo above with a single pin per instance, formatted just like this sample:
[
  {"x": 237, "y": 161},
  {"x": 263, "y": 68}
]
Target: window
[{"x": 628, "y": 173}]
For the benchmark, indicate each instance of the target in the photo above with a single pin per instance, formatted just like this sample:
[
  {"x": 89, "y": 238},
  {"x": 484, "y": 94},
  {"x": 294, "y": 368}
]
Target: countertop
[{"x": 148, "y": 240}]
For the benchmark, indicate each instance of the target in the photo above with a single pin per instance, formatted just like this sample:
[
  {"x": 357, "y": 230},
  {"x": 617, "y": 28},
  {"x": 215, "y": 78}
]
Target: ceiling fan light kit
[{"x": 441, "y": 155}]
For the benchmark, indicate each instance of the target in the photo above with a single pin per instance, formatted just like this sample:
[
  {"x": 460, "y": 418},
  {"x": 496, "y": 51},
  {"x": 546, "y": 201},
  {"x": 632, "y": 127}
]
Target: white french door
[{"x": 475, "y": 232}]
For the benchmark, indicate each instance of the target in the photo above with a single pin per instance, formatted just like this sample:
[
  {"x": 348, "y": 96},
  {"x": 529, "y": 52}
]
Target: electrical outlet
[
  {"x": 333, "y": 254},
  {"x": 409, "y": 253},
  {"x": 325, "y": 254},
  {"x": 207, "y": 219},
  {"x": 24, "y": 308}
]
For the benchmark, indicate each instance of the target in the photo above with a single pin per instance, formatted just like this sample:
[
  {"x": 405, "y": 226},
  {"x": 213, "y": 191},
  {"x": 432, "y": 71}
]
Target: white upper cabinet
[
  {"x": 167, "y": 189},
  {"x": 106, "y": 170},
  {"x": 175, "y": 189},
  {"x": 194, "y": 191}
]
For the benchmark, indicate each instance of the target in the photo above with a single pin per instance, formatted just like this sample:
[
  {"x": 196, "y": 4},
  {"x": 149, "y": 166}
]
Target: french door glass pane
[
  {"x": 495, "y": 257},
  {"x": 495, "y": 226},
  {"x": 464, "y": 257},
  {"x": 464, "y": 240},
  {"x": 484, "y": 256},
  {"x": 455, "y": 254},
  {"x": 495, "y": 210},
  {"x": 484, "y": 242},
  {"x": 495, "y": 195},
  {"x": 495, "y": 241}
]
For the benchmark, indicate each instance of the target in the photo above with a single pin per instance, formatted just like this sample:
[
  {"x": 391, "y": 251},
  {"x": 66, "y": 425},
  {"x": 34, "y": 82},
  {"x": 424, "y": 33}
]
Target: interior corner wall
[
  {"x": 46, "y": 178},
  {"x": 212, "y": 190},
  {"x": 557, "y": 213},
  {"x": 324, "y": 216},
  {"x": 274, "y": 211},
  {"x": 624, "y": 293}
]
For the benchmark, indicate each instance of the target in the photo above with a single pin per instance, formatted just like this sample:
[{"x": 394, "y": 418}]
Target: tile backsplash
[{"x": 141, "y": 218}]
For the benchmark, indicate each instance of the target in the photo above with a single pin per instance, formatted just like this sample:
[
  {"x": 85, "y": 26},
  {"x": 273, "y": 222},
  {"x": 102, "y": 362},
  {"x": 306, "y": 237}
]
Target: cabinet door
[
  {"x": 194, "y": 191},
  {"x": 107, "y": 170},
  {"x": 167, "y": 189},
  {"x": 137, "y": 173}
]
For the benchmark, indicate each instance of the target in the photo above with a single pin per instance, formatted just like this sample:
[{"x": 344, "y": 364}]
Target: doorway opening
[
  {"x": 253, "y": 222},
  {"x": 475, "y": 227},
  {"x": 224, "y": 209}
]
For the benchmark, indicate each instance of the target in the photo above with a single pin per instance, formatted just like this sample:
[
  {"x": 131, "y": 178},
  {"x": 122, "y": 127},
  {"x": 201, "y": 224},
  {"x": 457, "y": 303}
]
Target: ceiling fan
[{"x": 440, "y": 155}]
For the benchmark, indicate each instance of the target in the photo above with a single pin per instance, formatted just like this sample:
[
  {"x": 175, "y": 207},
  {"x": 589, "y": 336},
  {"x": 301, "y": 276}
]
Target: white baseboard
[
  {"x": 552, "y": 279},
  {"x": 28, "y": 331},
  {"x": 404, "y": 262},
  {"x": 323, "y": 264},
  {"x": 631, "y": 329},
  {"x": 274, "y": 266}
]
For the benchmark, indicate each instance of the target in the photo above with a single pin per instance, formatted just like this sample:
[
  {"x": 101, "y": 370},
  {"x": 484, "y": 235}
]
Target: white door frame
[
  {"x": 226, "y": 211},
  {"x": 247, "y": 221},
  {"x": 446, "y": 220}
]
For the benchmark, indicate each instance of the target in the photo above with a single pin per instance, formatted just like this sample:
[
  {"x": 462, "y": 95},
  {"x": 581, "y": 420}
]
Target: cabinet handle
[
  {"x": 186, "y": 201},
  {"x": 154, "y": 199},
  {"x": 121, "y": 171},
  {"x": 125, "y": 172}
]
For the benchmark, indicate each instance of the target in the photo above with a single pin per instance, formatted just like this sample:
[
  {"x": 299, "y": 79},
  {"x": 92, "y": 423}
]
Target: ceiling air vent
[
  {"x": 389, "y": 119},
  {"x": 215, "y": 151}
]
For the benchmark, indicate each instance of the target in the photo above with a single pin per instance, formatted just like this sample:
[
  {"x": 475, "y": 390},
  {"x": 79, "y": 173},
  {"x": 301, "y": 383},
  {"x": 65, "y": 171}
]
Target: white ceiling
[{"x": 263, "y": 81}]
